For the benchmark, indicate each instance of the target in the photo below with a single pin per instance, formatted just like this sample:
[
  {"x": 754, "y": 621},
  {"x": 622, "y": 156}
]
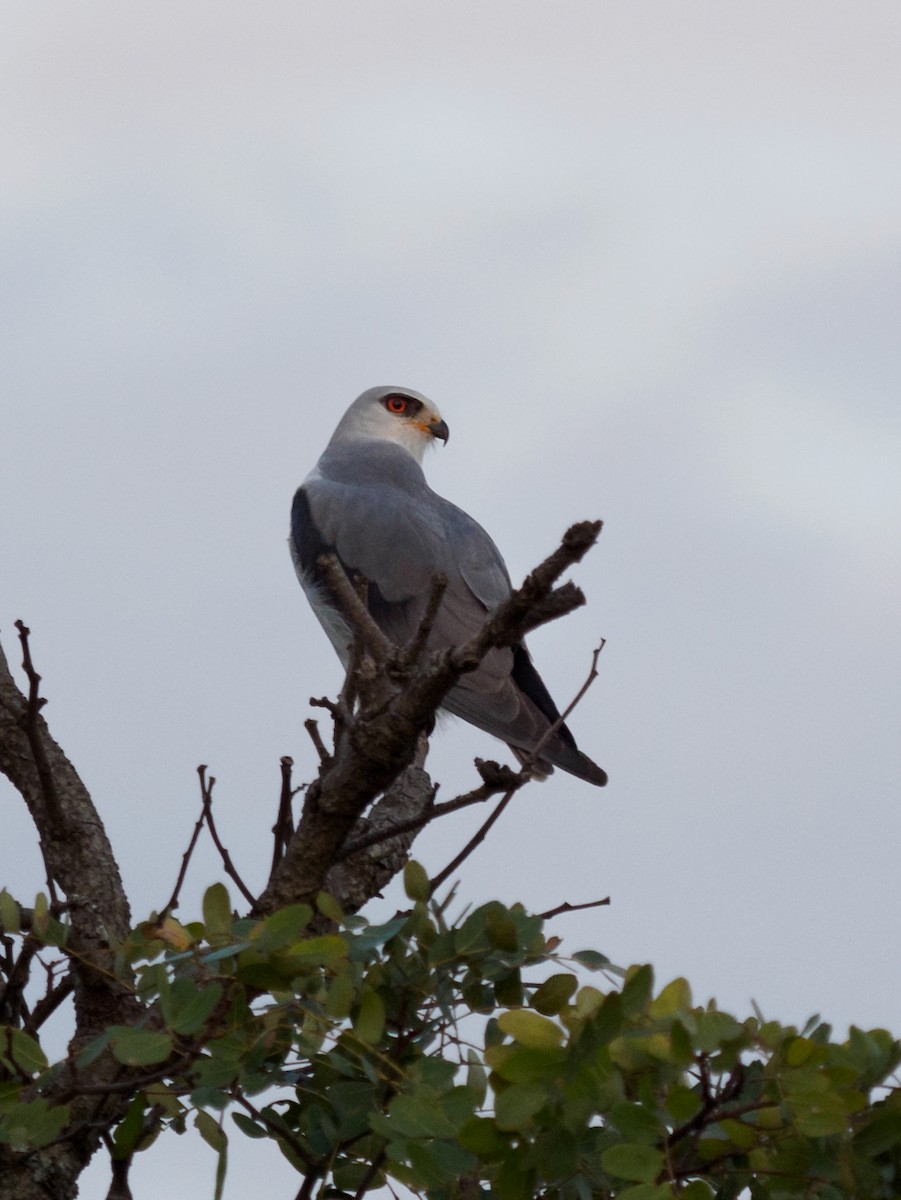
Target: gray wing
[{"x": 380, "y": 518}]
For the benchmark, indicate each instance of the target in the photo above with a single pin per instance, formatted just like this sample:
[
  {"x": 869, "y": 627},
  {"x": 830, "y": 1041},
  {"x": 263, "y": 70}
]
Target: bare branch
[
  {"x": 566, "y": 907},
  {"x": 415, "y": 648},
  {"x": 185, "y": 860},
  {"x": 529, "y": 762},
  {"x": 206, "y": 790},
  {"x": 312, "y": 728},
  {"x": 284, "y": 824},
  {"x": 532, "y": 758},
  {"x": 474, "y": 842},
  {"x": 497, "y": 778},
  {"x": 354, "y": 610}
]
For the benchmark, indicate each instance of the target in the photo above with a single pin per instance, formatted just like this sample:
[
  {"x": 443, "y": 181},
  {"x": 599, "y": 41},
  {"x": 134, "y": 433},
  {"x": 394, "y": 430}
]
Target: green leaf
[
  {"x": 739, "y": 1134},
  {"x": 210, "y": 1130},
  {"x": 370, "y": 1019},
  {"x": 93, "y": 1049},
  {"x": 819, "y": 1115},
  {"x": 530, "y": 1029},
  {"x": 416, "y": 881},
  {"x": 646, "y": 1191},
  {"x": 249, "y": 1126},
  {"x": 714, "y": 1028},
  {"x": 880, "y": 1133},
  {"x": 32, "y": 1124},
  {"x": 341, "y": 996},
  {"x": 798, "y": 1050},
  {"x": 526, "y": 1064},
  {"x": 217, "y": 912},
  {"x": 696, "y": 1190},
  {"x": 215, "y": 1136},
  {"x": 9, "y": 913},
  {"x": 501, "y": 928},
  {"x": 476, "y": 1076},
  {"x": 508, "y": 990},
  {"x": 633, "y": 1160},
  {"x": 593, "y": 960},
  {"x": 482, "y": 1137},
  {"x": 636, "y": 991},
  {"x": 20, "y": 1053},
  {"x": 672, "y": 1001},
  {"x": 330, "y": 908},
  {"x": 556, "y": 1153},
  {"x": 555, "y": 994},
  {"x": 128, "y": 1131},
  {"x": 636, "y": 1123},
  {"x": 283, "y": 927},
  {"x": 682, "y": 1102},
  {"x": 139, "y": 1047},
  {"x": 41, "y": 915},
  {"x": 190, "y": 1006},
  {"x": 515, "y": 1180},
  {"x": 517, "y": 1104},
  {"x": 416, "y": 1117}
]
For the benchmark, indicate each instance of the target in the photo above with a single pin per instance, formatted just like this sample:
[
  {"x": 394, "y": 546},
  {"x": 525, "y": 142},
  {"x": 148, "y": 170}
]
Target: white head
[{"x": 393, "y": 414}]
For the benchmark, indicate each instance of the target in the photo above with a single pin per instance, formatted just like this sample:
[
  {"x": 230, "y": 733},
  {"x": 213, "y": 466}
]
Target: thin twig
[
  {"x": 566, "y": 907},
  {"x": 473, "y": 842},
  {"x": 284, "y": 826},
  {"x": 206, "y": 788},
  {"x": 534, "y": 754},
  {"x": 48, "y": 1004},
  {"x": 312, "y": 728},
  {"x": 477, "y": 796},
  {"x": 186, "y": 857},
  {"x": 528, "y": 761},
  {"x": 354, "y": 609},
  {"x": 412, "y": 652}
]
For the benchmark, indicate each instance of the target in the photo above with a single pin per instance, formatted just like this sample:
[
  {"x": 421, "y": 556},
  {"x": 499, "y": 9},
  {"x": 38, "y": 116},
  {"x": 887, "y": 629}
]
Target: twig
[
  {"x": 30, "y": 724},
  {"x": 413, "y": 650},
  {"x": 186, "y": 857},
  {"x": 566, "y": 907},
  {"x": 48, "y": 1004},
  {"x": 284, "y": 826},
  {"x": 528, "y": 761},
  {"x": 354, "y": 609},
  {"x": 504, "y": 779},
  {"x": 534, "y": 754},
  {"x": 312, "y": 728},
  {"x": 206, "y": 788},
  {"x": 473, "y": 842}
]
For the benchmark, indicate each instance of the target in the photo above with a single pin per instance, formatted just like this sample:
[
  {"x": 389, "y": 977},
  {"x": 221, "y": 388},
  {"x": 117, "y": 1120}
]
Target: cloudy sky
[{"x": 646, "y": 258}]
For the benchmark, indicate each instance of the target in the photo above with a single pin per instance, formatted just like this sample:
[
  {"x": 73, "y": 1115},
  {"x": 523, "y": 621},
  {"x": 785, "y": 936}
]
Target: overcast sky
[{"x": 646, "y": 259}]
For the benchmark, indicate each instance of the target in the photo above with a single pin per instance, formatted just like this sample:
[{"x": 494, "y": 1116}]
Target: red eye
[{"x": 396, "y": 404}]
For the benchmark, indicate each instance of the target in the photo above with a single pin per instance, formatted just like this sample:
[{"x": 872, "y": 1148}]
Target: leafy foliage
[{"x": 468, "y": 1058}]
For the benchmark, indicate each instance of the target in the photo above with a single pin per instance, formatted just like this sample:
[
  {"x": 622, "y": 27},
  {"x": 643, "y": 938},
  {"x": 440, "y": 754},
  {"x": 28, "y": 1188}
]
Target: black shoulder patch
[
  {"x": 306, "y": 542},
  {"x": 308, "y": 546}
]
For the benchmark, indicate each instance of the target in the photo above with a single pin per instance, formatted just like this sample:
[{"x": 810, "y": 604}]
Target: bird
[{"x": 367, "y": 502}]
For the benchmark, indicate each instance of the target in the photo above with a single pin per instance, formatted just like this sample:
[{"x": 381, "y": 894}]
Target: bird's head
[{"x": 396, "y": 415}]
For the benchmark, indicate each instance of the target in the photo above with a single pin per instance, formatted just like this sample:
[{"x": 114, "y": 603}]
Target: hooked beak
[{"x": 439, "y": 429}]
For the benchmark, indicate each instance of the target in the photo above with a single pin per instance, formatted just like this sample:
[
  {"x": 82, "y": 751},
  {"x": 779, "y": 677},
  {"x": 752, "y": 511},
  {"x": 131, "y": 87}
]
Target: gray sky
[{"x": 646, "y": 258}]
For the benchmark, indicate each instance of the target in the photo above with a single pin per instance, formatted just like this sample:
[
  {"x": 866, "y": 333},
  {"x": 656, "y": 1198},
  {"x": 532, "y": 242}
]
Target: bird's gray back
[{"x": 373, "y": 505}]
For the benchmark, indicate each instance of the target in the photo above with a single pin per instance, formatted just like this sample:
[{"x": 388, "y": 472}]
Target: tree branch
[{"x": 80, "y": 861}]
